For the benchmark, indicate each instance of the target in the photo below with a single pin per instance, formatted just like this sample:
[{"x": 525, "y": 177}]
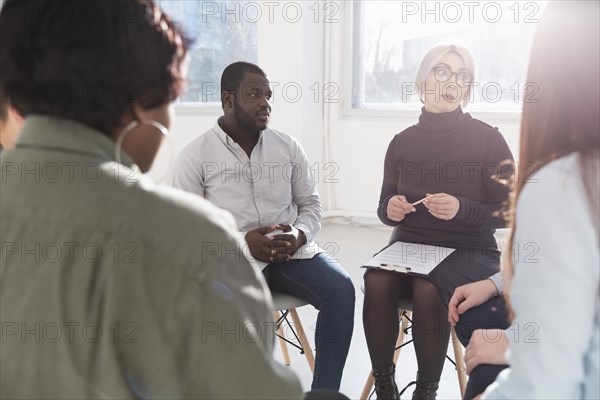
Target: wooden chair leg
[
  {"x": 303, "y": 340},
  {"x": 282, "y": 343},
  {"x": 401, "y": 334},
  {"x": 370, "y": 380},
  {"x": 460, "y": 363},
  {"x": 458, "y": 357}
]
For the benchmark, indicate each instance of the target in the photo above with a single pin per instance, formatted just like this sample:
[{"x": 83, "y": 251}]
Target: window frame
[
  {"x": 350, "y": 20},
  {"x": 198, "y": 108},
  {"x": 191, "y": 109}
]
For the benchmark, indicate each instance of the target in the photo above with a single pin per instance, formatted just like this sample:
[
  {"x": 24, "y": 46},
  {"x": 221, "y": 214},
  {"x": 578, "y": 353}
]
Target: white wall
[{"x": 302, "y": 54}]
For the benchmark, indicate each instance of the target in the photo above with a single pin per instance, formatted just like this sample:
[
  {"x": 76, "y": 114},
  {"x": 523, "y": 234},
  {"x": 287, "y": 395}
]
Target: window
[
  {"x": 221, "y": 36},
  {"x": 224, "y": 32},
  {"x": 390, "y": 38}
]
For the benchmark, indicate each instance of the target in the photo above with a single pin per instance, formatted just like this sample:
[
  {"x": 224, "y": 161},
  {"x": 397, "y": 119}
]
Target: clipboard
[{"x": 409, "y": 258}]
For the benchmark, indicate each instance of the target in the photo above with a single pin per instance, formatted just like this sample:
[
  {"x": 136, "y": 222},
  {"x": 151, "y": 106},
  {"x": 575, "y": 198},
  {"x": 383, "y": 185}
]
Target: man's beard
[{"x": 243, "y": 118}]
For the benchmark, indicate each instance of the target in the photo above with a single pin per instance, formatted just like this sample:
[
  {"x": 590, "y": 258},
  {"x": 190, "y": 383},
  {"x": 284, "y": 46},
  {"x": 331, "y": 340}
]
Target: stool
[
  {"x": 285, "y": 305},
  {"x": 405, "y": 312}
]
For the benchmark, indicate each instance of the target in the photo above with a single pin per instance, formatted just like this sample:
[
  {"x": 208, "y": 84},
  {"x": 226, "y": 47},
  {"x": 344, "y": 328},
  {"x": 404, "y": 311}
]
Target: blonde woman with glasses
[{"x": 455, "y": 162}]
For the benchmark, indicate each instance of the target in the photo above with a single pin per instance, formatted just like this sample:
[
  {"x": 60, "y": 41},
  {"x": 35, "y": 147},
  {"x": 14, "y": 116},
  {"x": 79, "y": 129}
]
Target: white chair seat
[
  {"x": 283, "y": 301},
  {"x": 284, "y": 304}
]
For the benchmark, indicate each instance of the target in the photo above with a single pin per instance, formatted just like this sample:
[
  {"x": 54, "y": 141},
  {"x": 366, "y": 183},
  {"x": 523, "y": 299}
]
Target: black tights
[{"x": 430, "y": 328}]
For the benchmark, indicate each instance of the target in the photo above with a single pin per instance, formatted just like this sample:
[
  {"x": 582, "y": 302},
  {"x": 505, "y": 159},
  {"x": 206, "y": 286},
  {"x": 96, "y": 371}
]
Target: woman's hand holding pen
[
  {"x": 442, "y": 205},
  {"x": 398, "y": 207}
]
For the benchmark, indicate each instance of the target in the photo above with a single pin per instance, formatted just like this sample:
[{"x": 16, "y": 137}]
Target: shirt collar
[
  {"x": 68, "y": 135},
  {"x": 226, "y": 139}
]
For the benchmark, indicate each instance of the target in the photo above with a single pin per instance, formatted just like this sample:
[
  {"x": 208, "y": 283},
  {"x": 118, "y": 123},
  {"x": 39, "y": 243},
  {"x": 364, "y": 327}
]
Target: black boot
[
  {"x": 426, "y": 390},
  {"x": 385, "y": 384}
]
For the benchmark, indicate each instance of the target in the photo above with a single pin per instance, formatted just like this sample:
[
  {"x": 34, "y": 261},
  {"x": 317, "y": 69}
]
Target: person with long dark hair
[{"x": 553, "y": 296}]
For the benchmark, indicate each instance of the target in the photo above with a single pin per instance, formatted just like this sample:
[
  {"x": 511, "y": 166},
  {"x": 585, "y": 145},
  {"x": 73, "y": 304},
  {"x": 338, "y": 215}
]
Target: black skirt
[{"x": 465, "y": 265}]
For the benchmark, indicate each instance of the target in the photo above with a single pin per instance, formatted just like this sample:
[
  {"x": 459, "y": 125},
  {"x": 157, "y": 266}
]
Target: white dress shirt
[{"x": 275, "y": 185}]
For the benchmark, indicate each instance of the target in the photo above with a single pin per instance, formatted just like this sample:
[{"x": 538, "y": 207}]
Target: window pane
[
  {"x": 220, "y": 39},
  {"x": 224, "y": 32},
  {"x": 391, "y": 37}
]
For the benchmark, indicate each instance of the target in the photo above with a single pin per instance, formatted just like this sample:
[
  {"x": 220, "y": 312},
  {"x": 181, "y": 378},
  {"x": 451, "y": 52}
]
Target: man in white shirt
[{"x": 262, "y": 177}]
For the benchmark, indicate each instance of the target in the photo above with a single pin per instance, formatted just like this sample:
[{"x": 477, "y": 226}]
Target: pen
[{"x": 419, "y": 202}]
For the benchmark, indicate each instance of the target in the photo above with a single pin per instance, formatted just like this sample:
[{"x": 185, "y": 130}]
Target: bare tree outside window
[
  {"x": 223, "y": 34},
  {"x": 391, "y": 37}
]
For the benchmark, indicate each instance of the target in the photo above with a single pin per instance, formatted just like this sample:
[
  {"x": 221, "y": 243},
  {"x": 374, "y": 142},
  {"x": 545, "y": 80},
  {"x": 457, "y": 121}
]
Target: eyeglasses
[{"x": 443, "y": 74}]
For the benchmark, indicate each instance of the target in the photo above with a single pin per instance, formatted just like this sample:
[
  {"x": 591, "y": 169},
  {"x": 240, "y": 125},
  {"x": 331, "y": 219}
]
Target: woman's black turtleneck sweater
[{"x": 449, "y": 153}]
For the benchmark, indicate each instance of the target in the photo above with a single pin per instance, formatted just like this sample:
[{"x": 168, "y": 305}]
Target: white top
[
  {"x": 555, "y": 291},
  {"x": 497, "y": 279},
  {"x": 273, "y": 186}
]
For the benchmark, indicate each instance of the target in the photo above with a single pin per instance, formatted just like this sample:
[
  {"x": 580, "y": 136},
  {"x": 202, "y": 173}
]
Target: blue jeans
[
  {"x": 492, "y": 314},
  {"x": 323, "y": 283}
]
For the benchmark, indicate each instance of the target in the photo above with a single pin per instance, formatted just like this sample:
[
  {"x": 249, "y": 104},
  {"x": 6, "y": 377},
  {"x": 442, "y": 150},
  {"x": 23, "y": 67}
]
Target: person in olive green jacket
[{"x": 112, "y": 286}]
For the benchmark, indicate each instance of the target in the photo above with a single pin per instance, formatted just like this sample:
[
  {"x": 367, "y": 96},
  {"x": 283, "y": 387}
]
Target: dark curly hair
[{"x": 89, "y": 60}]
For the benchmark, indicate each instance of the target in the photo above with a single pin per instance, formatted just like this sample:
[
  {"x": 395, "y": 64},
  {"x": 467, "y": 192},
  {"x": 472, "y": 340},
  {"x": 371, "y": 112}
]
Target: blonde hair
[{"x": 433, "y": 57}]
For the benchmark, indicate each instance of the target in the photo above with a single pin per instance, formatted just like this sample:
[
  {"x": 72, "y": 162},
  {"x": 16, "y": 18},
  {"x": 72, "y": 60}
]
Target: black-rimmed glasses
[{"x": 443, "y": 73}]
